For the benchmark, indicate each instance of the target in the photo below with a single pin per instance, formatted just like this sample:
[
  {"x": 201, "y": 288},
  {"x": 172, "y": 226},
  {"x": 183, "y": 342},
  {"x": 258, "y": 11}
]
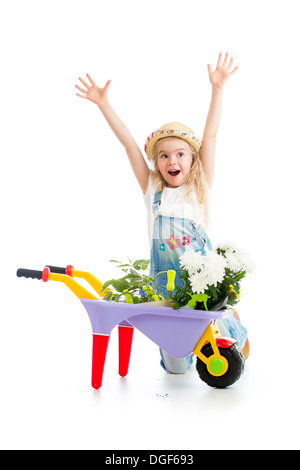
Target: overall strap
[{"x": 157, "y": 202}]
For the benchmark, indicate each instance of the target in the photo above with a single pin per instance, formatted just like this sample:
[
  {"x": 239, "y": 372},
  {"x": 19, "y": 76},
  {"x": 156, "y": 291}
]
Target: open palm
[
  {"x": 223, "y": 71},
  {"x": 92, "y": 92}
]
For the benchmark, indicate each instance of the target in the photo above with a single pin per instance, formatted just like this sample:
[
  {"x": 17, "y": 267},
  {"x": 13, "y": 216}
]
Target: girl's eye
[
  {"x": 164, "y": 156},
  {"x": 180, "y": 154}
]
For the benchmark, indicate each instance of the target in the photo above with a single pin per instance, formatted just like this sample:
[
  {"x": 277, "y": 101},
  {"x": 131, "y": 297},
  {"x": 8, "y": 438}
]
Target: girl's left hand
[{"x": 219, "y": 77}]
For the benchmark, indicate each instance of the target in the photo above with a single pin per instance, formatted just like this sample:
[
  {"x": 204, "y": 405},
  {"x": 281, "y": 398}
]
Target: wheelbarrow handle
[
  {"x": 71, "y": 272},
  {"x": 59, "y": 270},
  {"x": 46, "y": 275},
  {"x": 33, "y": 274}
]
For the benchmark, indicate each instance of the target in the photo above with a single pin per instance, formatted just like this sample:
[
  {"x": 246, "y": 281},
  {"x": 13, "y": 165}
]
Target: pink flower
[
  {"x": 173, "y": 242},
  {"x": 186, "y": 241}
]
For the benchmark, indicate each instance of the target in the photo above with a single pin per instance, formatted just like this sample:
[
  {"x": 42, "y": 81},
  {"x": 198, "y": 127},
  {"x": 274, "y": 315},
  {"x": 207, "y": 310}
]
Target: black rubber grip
[
  {"x": 56, "y": 269},
  {"x": 29, "y": 273}
]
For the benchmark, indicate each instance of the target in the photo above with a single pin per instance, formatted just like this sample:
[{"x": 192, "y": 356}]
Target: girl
[{"x": 176, "y": 192}]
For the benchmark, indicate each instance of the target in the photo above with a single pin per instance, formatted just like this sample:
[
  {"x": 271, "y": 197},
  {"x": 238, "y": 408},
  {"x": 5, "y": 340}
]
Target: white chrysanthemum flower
[
  {"x": 199, "y": 282},
  {"x": 212, "y": 271},
  {"x": 214, "y": 268},
  {"x": 246, "y": 262},
  {"x": 232, "y": 261},
  {"x": 191, "y": 261},
  {"x": 237, "y": 258}
]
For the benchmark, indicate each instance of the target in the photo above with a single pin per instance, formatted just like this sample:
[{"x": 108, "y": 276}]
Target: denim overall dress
[{"x": 171, "y": 237}]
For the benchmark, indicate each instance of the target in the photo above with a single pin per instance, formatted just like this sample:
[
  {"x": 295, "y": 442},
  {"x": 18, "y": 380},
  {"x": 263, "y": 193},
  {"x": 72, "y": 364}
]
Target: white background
[{"x": 68, "y": 197}]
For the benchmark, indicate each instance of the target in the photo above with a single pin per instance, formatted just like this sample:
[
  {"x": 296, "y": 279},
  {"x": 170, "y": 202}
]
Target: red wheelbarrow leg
[
  {"x": 100, "y": 343},
  {"x": 125, "y": 342}
]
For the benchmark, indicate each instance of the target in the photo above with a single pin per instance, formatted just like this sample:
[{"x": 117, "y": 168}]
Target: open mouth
[{"x": 174, "y": 172}]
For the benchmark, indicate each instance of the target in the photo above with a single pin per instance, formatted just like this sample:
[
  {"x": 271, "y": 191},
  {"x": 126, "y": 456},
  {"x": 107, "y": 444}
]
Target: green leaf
[
  {"x": 106, "y": 284},
  {"x": 240, "y": 276},
  {"x": 134, "y": 272},
  {"x": 176, "y": 305},
  {"x": 108, "y": 296},
  {"x": 214, "y": 292},
  {"x": 134, "y": 285},
  {"x": 141, "y": 264},
  {"x": 120, "y": 284}
]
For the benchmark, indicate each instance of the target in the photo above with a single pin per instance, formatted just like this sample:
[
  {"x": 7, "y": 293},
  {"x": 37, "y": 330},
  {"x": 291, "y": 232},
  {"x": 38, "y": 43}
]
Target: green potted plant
[{"x": 135, "y": 287}]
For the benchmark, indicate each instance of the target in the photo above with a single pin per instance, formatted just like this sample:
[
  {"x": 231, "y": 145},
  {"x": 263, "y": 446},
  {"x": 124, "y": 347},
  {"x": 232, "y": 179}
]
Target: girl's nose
[{"x": 172, "y": 159}]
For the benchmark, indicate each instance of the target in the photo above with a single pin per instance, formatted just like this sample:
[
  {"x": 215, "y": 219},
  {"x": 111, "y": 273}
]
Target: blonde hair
[{"x": 196, "y": 180}]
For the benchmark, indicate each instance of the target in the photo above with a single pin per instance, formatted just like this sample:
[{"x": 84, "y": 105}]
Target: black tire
[{"x": 236, "y": 362}]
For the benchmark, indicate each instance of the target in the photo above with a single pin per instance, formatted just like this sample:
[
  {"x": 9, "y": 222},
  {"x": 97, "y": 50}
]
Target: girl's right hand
[{"x": 92, "y": 92}]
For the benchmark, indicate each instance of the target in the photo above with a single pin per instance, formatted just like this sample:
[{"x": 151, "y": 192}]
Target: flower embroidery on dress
[
  {"x": 186, "y": 241},
  {"x": 173, "y": 242},
  {"x": 162, "y": 247}
]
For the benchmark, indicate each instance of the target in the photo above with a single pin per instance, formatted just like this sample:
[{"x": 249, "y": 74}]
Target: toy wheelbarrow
[{"x": 178, "y": 332}]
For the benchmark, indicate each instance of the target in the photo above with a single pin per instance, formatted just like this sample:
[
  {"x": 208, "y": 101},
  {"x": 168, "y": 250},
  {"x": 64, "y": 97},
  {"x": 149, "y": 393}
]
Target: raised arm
[
  {"x": 218, "y": 78},
  {"x": 99, "y": 96}
]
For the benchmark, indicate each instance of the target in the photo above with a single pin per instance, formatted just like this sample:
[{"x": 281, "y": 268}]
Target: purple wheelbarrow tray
[{"x": 176, "y": 331}]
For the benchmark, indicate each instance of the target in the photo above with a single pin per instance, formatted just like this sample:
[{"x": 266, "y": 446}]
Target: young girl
[{"x": 177, "y": 190}]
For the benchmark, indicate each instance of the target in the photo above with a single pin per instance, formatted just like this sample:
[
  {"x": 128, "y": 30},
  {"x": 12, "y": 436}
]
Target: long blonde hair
[{"x": 196, "y": 180}]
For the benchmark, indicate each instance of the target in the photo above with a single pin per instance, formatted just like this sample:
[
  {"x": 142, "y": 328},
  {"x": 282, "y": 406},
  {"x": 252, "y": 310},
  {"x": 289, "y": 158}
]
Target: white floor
[{"x": 47, "y": 401}]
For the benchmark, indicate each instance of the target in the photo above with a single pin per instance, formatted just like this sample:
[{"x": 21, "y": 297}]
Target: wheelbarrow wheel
[{"x": 236, "y": 364}]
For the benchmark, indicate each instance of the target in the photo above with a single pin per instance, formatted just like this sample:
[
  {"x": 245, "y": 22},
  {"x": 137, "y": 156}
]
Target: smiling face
[{"x": 174, "y": 161}]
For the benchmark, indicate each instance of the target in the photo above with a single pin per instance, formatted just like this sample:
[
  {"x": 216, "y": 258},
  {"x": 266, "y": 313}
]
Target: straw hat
[{"x": 172, "y": 129}]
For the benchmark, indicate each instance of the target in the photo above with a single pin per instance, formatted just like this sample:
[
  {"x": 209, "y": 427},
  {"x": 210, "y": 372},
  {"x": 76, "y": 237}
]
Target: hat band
[{"x": 175, "y": 133}]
